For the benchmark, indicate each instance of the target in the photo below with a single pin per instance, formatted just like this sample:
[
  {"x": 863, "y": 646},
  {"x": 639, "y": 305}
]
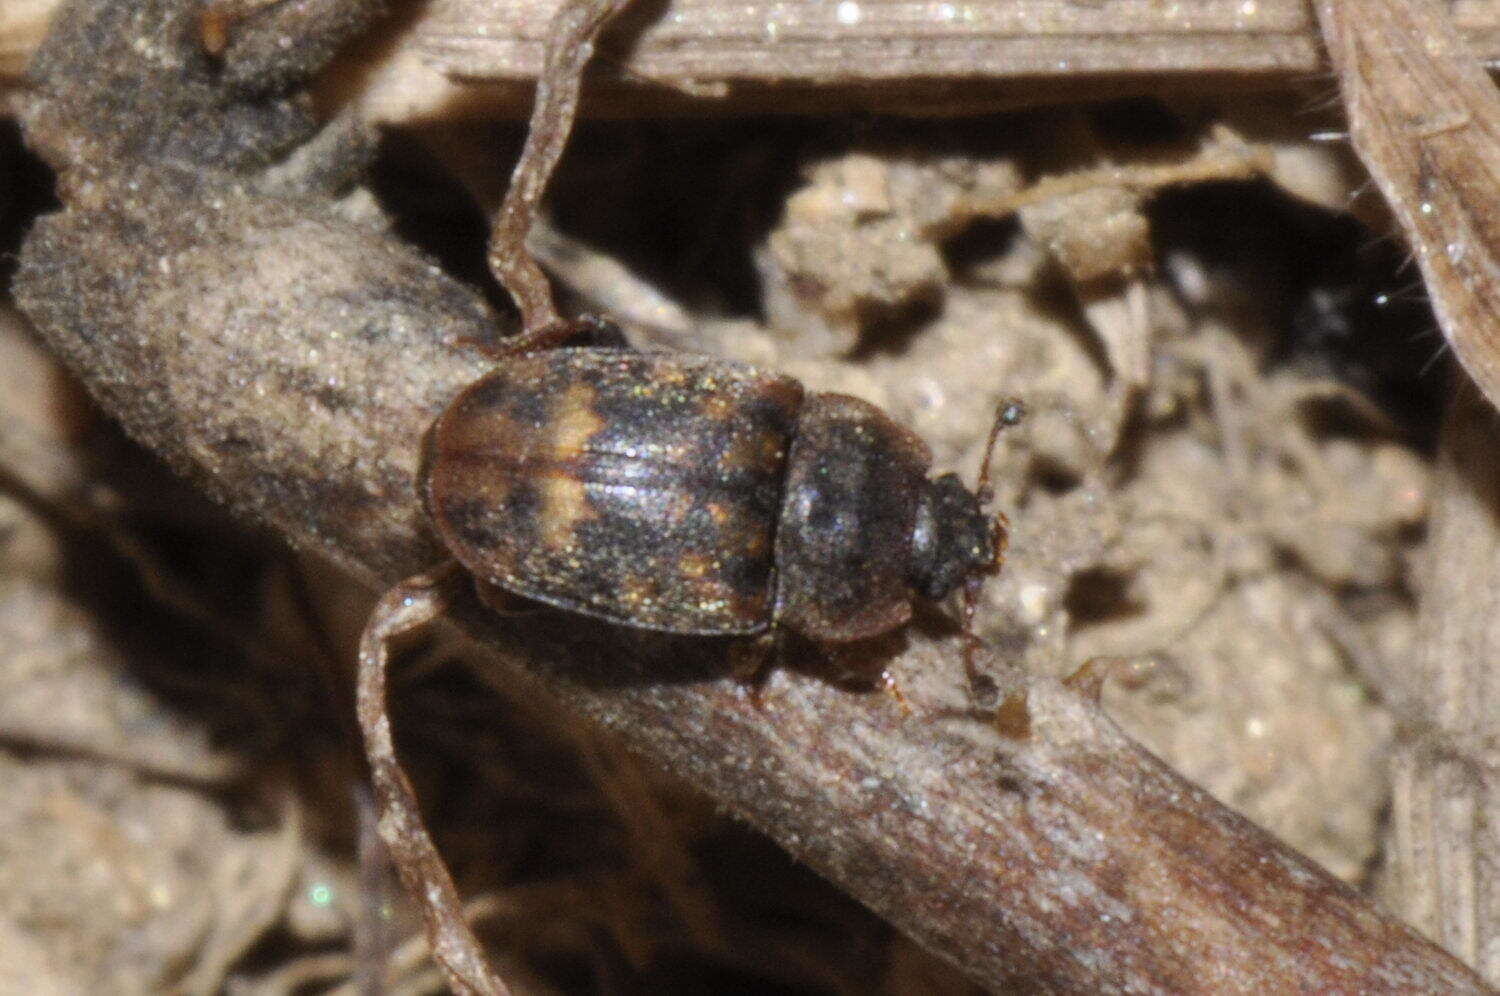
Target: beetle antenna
[{"x": 1009, "y": 412}]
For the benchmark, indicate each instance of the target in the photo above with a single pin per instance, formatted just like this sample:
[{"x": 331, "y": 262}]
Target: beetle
[
  {"x": 673, "y": 492},
  {"x": 696, "y": 495}
]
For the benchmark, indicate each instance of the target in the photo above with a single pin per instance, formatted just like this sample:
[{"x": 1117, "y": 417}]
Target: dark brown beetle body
[{"x": 695, "y": 495}]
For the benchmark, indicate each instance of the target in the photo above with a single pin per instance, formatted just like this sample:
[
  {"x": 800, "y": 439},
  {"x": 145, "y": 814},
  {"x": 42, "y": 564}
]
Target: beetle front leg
[
  {"x": 412, "y": 605},
  {"x": 847, "y": 665}
]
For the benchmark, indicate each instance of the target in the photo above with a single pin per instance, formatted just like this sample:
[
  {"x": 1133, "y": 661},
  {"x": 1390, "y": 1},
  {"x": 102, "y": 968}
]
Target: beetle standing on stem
[
  {"x": 670, "y": 492},
  {"x": 695, "y": 495}
]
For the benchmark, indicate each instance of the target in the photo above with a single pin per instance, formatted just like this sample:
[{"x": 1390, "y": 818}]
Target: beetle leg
[
  {"x": 847, "y": 666},
  {"x": 585, "y": 330},
  {"x": 982, "y": 688},
  {"x": 501, "y": 602},
  {"x": 570, "y": 43},
  {"x": 751, "y": 660},
  {"x": 407, "y": 607}
]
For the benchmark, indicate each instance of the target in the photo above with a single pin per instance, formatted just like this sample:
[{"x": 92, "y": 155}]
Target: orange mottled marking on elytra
[
  {"x": 754, "y": 543},
  {"x": 571, "y": 424},
  {"x": 564, "y": 506},
  {"x": 639, "y": 590},
  {"x": 717, "y": 406},
  {"x": 573, "y": 421},
  {"x": 754, "y": 451},
  {"x": 695, "y": 565}
]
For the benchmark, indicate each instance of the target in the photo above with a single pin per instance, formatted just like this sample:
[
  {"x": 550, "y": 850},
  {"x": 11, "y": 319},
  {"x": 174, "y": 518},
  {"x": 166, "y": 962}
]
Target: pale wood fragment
[
  {"x": 1425, "y": 118},
  {"x": 1445, "y": 818},
  {"x": 827, "y": 43},
  {"x": 22, "y": 25},
  {"x": 830, "y": 41}
]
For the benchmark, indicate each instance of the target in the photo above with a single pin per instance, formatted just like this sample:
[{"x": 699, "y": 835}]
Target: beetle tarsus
[{"x": 892, "y": 687}]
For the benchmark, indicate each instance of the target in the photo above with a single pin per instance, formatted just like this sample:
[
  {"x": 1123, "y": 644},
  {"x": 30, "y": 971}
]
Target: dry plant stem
[
  {"x": 570, "y": 45},
  {"x": 406, "y": 607},
  {"x": 1230, "y": 158},
  {"x": 1425, "y": 119},
  {"x": 951, "y": 60},
  {"x": 1445, "y": 819}
]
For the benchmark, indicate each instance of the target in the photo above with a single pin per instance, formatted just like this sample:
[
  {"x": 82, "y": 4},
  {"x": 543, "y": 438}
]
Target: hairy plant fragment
[{"x": 1425, "y": 118}]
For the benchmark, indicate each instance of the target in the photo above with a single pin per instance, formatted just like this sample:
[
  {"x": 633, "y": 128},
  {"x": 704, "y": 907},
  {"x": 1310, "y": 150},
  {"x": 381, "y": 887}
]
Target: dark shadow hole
[
  {"x": 1338, "y": 418},
  {"x": 982, "y": 240},
  {"x": 1099, "y": 595},
  {"x": 1334, "y": 295},
  {"x": 26, "y": 191},
  {"x": 889, "y": 328},
  {"x": 1138, "y": 121},
  {"x": 1051, "y": 476},
  {"x": 687, "y": 200},
  {"x": 432, "y": 210}
]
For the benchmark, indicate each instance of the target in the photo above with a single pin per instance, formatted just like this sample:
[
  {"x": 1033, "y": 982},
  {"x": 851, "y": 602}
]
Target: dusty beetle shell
[{"x": 696, "y": 495}]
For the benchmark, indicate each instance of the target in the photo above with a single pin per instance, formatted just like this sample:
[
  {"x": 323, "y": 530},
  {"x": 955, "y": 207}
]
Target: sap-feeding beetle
[{"x": 697, "y": 495}]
